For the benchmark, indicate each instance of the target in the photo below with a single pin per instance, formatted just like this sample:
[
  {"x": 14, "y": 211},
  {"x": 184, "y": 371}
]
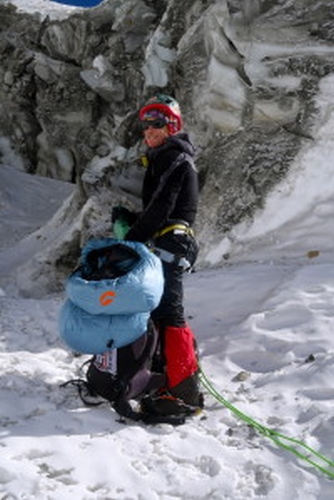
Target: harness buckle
[
  {"x": 171, "y": 258},
  {"x": 177, "y": 228}
]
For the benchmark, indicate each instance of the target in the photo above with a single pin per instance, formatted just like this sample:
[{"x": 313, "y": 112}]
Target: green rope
[{"x": 276, "y": 437}]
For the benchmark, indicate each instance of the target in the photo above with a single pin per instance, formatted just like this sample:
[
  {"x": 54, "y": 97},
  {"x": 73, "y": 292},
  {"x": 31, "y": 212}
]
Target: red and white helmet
[{"x": 169, "y": 107}]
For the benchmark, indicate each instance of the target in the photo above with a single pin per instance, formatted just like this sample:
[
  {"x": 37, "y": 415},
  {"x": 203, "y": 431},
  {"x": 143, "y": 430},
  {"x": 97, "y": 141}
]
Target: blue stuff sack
[
  {"x": 96, "y": 334},
  {"x": 135, "y": 286},
  {"x": 110, "y": 296}
]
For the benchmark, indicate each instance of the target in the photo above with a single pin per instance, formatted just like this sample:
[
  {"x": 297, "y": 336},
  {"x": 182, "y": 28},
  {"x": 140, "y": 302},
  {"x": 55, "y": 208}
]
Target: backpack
[
  {"x": 122, "y": 374},
  {"x": 118, "y": 331},
  {"x": 126, "y": 373}
]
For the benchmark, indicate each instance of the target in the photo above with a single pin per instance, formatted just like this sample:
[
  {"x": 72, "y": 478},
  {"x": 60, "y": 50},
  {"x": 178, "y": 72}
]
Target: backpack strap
[
  {"x": 137, "y": 377},
  {"x": 181, "y": 158}
]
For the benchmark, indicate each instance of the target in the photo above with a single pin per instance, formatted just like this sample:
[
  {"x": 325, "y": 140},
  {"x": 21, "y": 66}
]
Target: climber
[{"x": 169, "y": 198}]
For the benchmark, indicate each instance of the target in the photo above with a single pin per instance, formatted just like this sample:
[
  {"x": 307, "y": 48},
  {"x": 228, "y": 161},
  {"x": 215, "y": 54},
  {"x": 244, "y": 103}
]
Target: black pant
[{"x": 170, "y": 311}]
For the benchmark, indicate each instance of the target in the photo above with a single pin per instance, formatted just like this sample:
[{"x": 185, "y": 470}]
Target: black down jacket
[{"x": 170, "y": 188}]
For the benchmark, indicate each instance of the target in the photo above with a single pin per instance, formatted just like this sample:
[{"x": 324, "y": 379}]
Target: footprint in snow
[
  {"x": 208, "y": 466},
  {"x": 258, "y": 361}
]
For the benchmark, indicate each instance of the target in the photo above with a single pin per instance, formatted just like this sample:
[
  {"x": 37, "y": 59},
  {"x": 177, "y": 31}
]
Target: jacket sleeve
[{"x": 159, "y": 209}]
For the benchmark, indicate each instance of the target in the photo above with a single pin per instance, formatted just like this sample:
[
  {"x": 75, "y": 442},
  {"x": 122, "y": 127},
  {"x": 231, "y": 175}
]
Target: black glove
[
  {"x": 121, "y": 213},
  {"x": 118, "y": 212}
]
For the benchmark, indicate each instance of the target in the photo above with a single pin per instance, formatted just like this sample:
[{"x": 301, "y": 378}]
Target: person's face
[
  {"x": 155, "y": 128},
  {"x": 155, "y": 137}
]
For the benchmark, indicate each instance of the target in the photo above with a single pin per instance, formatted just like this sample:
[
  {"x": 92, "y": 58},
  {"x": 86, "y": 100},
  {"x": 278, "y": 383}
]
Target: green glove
[{"x": 120, "y": 228}]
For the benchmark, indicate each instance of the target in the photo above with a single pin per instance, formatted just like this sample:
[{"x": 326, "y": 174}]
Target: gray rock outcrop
[{"x": 246, "y": 73}]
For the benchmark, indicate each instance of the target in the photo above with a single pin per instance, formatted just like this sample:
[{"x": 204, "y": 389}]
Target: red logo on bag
[{"x": 107, "y": 297}]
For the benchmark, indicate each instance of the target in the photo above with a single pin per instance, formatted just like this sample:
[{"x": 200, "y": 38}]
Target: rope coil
[{"x": 278, "y": 438}]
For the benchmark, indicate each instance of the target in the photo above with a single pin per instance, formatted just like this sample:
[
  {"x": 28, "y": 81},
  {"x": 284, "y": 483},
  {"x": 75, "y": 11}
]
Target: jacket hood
[
  {"x": 178, "y": 142},
  {"x": 181, "y": 141}
]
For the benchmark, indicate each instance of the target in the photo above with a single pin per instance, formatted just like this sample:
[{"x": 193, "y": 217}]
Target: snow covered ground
[
  {"x": 261, "y": 320},
  {"x": 264, "y": 324}
]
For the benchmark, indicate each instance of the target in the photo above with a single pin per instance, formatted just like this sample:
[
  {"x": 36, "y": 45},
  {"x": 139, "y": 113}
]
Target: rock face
[{"x": 246, "y": 73}]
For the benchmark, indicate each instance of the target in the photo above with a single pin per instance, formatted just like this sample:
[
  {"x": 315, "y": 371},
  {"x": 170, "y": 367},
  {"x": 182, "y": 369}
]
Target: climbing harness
[
  {"x": 178, "y": 228},
  {"x": 171, "y": 258}
]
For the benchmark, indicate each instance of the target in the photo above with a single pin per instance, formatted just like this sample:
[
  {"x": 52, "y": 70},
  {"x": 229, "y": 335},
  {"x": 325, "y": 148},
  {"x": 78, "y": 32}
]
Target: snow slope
[{"x": 258, "y": 325}]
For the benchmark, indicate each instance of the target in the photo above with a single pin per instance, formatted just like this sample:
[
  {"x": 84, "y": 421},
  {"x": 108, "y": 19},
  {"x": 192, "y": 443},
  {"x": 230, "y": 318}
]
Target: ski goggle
[
  {"x": 153, "y": 118},
  {"x": 157, "y": 123}
]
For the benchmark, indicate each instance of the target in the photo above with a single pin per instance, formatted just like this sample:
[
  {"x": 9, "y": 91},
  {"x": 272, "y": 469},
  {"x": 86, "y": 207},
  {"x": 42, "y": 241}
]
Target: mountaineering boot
[
  {"x": 182, "y": 395},
  {"x": 165, "y": 404},
  {"x": 183, "y": 399},
  {"x": 188, "y": 391}
]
